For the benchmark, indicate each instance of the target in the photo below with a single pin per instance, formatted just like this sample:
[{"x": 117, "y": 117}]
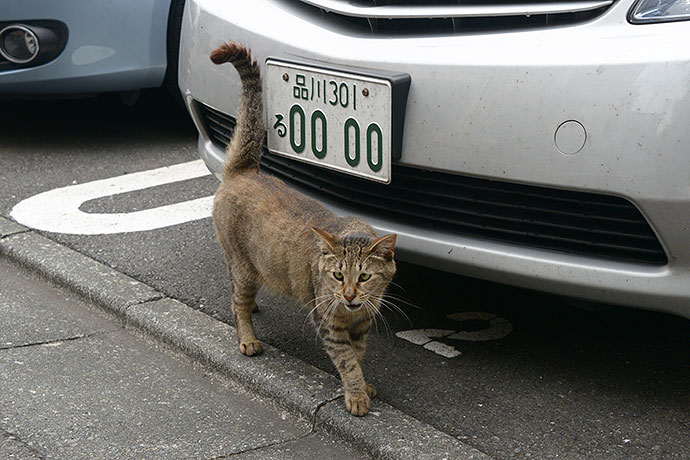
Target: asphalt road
[{"x": 568, "y": 382}]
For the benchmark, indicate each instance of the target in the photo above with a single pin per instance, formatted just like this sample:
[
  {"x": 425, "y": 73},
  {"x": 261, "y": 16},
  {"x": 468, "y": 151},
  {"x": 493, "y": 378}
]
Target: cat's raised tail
[{"x": 245, "y": 149}]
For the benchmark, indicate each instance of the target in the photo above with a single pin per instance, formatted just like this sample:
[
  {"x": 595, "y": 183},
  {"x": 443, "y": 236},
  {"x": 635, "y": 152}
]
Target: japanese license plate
[{"x": 330, "y": 118}]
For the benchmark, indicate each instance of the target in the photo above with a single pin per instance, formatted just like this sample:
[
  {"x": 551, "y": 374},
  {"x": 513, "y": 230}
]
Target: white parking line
[{"x": 58, "y": 210}]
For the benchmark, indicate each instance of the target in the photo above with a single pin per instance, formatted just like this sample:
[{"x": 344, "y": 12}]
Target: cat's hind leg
[{"x": 244, "y": 289}]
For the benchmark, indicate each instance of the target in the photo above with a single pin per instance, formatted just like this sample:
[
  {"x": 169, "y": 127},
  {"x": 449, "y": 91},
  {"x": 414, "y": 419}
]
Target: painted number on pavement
[{"x": 497, "y": 328}]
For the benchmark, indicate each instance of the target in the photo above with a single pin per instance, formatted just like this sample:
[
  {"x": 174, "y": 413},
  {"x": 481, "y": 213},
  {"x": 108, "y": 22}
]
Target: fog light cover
[
  {"x": 18, "y": 44},
  {"x": 650, "y": 11}
]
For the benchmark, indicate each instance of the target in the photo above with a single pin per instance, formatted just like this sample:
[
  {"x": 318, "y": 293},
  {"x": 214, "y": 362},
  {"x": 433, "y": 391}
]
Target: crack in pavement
[
  {"x": 154, "y": 298},
  {"x": 315, "y": 415},
  {"x": 9, "y": 437},
  {"x": 254, "y": 449},
  {"x": 53, "y": 342},
  {"x": 2, "y": 237},
  {"x": 312, "y": 431}
]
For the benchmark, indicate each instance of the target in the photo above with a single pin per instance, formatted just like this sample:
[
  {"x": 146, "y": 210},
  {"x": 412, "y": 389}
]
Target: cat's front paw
[
  {"x": 358, "y": 403},
  {"x": 251, "y": 348}
]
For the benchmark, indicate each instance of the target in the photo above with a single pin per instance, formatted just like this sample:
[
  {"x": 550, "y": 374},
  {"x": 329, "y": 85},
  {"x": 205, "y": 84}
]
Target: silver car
[{"x": 542, "y": 144}]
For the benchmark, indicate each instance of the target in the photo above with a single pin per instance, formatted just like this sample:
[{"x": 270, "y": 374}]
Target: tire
[{"x": 173, "y": 45}]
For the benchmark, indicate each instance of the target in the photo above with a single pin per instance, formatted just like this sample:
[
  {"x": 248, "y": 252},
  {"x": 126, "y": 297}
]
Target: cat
[{"x": 273, "y": 236}]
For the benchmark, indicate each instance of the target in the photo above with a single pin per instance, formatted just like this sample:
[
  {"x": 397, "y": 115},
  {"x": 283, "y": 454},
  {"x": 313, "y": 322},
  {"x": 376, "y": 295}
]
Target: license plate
[{"x": 331, "y": 118}]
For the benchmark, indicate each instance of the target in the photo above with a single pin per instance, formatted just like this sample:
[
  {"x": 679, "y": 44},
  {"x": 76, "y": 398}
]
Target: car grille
[
  {"x": 568, "y": 221},
  {"x": 388, "y": 17}
]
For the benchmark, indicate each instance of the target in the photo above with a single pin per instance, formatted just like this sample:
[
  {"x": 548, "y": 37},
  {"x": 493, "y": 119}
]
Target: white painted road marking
[
  {"x": 423, "y": 337},
  {"x": 442, "y": 349},
  {"x": 58, "y": 210},
  {"x": 498, "y": 328}
]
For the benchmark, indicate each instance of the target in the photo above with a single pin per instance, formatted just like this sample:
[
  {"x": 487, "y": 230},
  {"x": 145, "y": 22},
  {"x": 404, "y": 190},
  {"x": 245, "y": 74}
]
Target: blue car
[{"x": 88, "y": 46}]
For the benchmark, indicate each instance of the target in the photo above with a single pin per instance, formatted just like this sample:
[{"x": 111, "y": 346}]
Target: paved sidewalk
[
  {"x": 76, "y": 384},
  {"x": 305, "y": 392}
]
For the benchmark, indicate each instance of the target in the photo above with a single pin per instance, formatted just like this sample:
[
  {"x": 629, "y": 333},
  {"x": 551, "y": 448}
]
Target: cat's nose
[{"x": 349, "y": 295}]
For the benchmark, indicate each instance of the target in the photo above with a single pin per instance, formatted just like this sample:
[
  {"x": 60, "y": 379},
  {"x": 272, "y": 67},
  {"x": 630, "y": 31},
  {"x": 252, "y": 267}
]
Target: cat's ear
[
  {"x": 329, "y": 241},
  {"x": 385, "y": 246}
]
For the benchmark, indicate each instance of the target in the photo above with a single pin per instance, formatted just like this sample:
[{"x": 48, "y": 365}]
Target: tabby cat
[{"x": 275, "y": 237}]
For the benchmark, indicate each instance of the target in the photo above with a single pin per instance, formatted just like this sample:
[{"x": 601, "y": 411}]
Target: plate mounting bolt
[
  {"x": 286, "y": 77},
  {"x": 365, "y": 92}
]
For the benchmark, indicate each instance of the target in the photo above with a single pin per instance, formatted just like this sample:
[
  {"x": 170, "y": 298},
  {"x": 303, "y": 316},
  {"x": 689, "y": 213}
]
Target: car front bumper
[
  {"x": 489, "y": 105},
  {"x": 111, "y": 46}
]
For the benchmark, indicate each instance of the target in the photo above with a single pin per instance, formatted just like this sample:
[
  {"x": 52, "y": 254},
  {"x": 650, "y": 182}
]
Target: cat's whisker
[
  {"x": 315, "y": 300},
  {"x": 394, "y": 308},
  {"x": 385, "y": 321},
  {"x": 397, "y": 285},
  {"x": 400, "y": 299},
  {"x": 327, "y": 298},
  {"x": 390, "y": 304},
  {"x": 318, "y": 297},
  {"x": 377, "y": 313},
  {"x": 399, "y": 312},
  {"x": 372, "y": 314},
  {"x": 367, "y": 310},
  {"x": 331, "y": 307},
  {"x": 388, "y": 329},
  {"x": 334, "y": 309},
  {"x": 309, "y": 315},
  {"x": 330, "y": 313}
]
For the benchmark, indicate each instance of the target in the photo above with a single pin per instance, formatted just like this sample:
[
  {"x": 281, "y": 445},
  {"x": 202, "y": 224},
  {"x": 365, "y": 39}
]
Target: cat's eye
[
  {"x": 364, "y": 277},
  {"x": 338, "y": 275}
]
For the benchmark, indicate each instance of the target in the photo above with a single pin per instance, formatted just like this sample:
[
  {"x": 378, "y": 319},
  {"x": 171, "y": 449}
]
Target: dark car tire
[{"x": 173, "y": 44}]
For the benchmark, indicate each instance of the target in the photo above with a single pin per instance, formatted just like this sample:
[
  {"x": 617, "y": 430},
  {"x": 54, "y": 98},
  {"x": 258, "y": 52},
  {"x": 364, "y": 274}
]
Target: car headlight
[{"x": 649, "y": 11}]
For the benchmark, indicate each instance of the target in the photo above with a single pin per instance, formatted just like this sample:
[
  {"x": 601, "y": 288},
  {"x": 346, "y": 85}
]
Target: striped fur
[
  {"x": 246, "y": 146},
  {"x": 275, "y": 237}
]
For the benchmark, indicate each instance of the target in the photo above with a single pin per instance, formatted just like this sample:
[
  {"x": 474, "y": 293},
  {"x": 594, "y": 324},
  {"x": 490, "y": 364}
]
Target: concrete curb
[{"x": 386, "y": 433}]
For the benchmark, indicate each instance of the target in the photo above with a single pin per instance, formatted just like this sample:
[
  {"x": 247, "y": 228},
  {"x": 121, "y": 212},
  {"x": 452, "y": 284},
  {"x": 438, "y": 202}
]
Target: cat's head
[{"x": 355, "y": 267}]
